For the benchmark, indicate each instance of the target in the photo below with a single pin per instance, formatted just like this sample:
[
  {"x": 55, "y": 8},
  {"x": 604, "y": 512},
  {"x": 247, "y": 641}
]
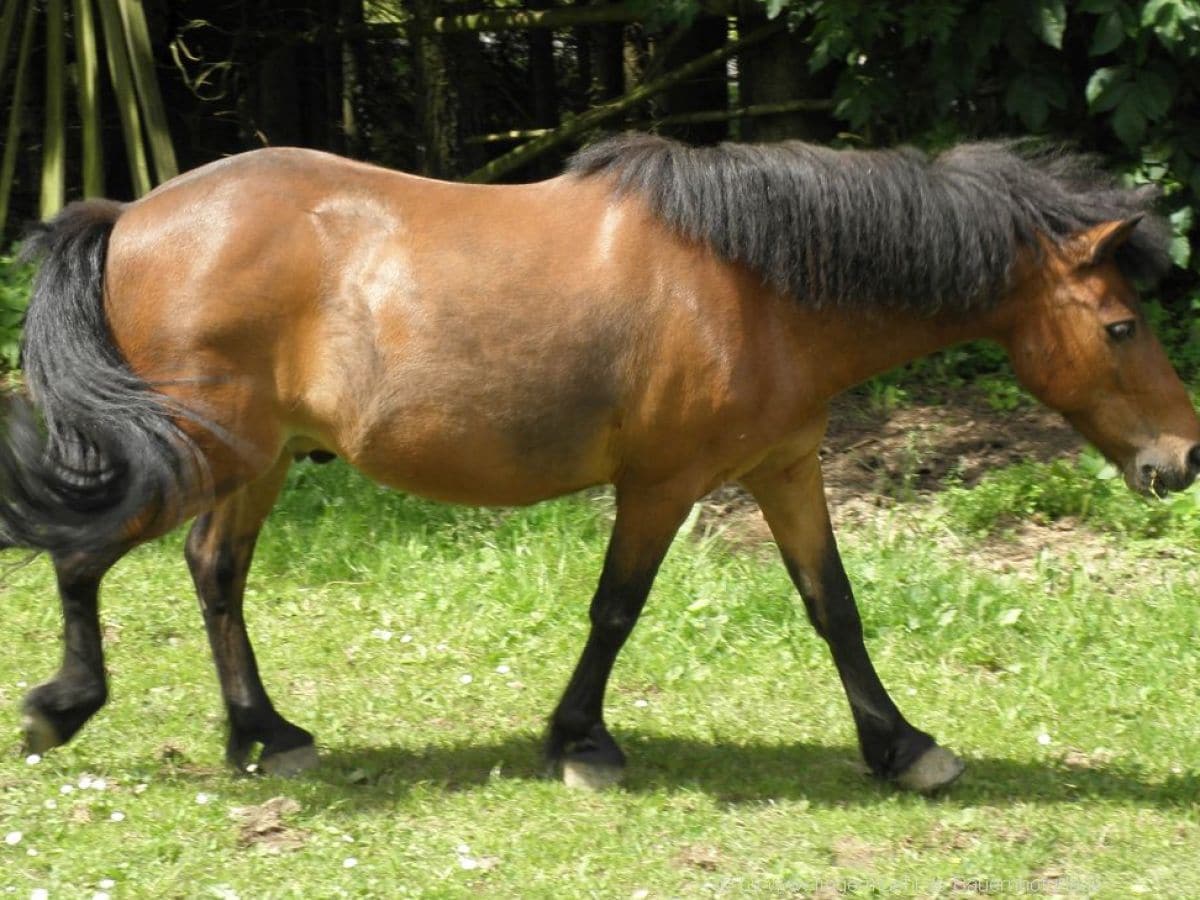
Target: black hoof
[
  {"x": 287, "y": 749},
  {"x": 592, "y": 762},
  {"x": 891, "y": 755},
  {"x": 935, "y": 769},
  {"x": 56, "y": 710},
  {"x": 289, "y": 763},
  {"x": 38, "y": 733}
]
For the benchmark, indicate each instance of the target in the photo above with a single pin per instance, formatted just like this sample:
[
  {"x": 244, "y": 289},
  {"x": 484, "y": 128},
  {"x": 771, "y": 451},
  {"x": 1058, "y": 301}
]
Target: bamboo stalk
[
  {"x": 8, "y": 165},
  {"x": 8, "y": 21},
  {"x": 89, "y": 106},
  {"x": 712, "y": 115},
  {"x": 521, "y": 155},
  {"x": 54, "y": 173},
  {"x": 126, "y": 95},
  {"x": 141, "y": 55}
]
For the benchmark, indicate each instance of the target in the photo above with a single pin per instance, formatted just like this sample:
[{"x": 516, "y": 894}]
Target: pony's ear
[{"x": 1098, "y": 243}]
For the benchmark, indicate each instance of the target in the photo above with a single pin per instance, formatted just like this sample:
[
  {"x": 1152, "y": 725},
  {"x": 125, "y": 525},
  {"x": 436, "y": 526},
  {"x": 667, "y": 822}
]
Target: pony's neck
[
  {"x": 857, "y": 347},
  {"x": 865, "y": 344}
]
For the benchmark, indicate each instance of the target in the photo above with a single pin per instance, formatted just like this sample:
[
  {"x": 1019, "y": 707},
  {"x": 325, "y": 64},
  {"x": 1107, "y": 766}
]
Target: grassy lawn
[{"x": 424, "y": 645}]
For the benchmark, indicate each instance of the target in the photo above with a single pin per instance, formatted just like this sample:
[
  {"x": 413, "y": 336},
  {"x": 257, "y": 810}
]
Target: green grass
[
  {"x": 368, "y": 609},
  {"x": 1090, "y": 492}
]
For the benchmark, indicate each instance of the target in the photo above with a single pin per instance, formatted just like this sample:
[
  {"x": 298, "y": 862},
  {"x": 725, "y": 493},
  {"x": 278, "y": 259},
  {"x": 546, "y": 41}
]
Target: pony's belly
[{"x": 478, "y": 464}]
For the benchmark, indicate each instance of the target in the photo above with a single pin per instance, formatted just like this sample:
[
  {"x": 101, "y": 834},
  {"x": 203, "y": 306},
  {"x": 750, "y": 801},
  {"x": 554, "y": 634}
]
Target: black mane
[{"x": 860, "y": 228}]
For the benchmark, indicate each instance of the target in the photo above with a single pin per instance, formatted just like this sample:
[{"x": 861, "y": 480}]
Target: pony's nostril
[{"x": 1193, "y": 458}]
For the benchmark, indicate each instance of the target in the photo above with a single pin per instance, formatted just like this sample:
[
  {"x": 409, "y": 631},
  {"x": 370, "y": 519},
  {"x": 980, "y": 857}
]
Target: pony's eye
[{"x": 1121, "y": 331}]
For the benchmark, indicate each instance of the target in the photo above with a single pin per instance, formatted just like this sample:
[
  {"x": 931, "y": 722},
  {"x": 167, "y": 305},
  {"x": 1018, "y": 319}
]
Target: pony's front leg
[
  {"x": 578, "y": 741},
  {"x": 219, "y": 550},
  {"x": 792, "y": 498},
  {"x": 56, "y": 709}
]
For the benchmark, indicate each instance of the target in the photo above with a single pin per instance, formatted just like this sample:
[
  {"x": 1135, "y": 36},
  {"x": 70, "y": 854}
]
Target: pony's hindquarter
[
  {"x": 97, "y": 458},
  {"x": 92, "y": 458},
  {"x": 90, "y": 451}
]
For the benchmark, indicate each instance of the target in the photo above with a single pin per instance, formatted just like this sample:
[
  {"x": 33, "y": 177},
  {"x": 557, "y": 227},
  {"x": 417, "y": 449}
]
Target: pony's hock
[{"x": 661, "y": 318}]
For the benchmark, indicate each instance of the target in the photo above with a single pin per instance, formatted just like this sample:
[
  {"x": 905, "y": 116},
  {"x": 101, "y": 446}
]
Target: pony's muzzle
[{"x": 1158, "y": 471}]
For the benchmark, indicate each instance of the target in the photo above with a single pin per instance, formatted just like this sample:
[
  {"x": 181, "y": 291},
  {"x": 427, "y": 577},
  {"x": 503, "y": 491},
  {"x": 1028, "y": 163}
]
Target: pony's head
[{"x": 1080, "y": 342}]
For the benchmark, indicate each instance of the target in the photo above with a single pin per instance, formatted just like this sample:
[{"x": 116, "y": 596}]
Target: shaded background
[{"x": 112, "y": 96}]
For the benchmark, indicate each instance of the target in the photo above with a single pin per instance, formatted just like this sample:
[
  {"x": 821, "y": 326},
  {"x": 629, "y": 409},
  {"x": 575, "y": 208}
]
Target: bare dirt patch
[
  {"x": 875, "y": 458},
  {"x": 264, "y": 826},
  {"x": 699, "y": 856},
  {"x": 917, "y": 448},
  {"x": 850, "y": 852}
]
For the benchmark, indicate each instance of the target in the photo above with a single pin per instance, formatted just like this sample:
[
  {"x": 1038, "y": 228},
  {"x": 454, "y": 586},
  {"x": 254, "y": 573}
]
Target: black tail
[{"x": 91, "y": 447}]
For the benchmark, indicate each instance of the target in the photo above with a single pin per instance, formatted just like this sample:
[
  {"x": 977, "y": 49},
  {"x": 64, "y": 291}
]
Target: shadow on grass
[{"x": 736, "y": 774}]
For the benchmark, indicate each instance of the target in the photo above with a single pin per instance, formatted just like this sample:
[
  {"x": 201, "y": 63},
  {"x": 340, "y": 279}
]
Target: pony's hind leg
[
  {"x": 56, "y": 709},
  {"x": 792, "y": 498},
  {"x": 219, "y": 550},
  {"x": 578, "y": 742}
]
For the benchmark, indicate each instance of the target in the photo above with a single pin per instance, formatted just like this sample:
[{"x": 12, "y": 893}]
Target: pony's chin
[{"x": 1157, "y": 481}]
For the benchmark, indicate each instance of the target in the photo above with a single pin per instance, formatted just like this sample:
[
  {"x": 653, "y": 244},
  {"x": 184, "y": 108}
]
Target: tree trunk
[
  {"x": 350, "y": 19},
  {"x": 437, "y": 108},
  {"x": 325, "y": 71},
  {"x": 523, "y": 155},
  {"x": 471, "y": 73},
  {"x": 271, "y": 104},
  {"x": 543, "y": 85},
  {"x": 707, "y": 91},
  {"x": 635, "y": 54},
  {"x": 608, "y": 62},
  {"x": 581, "y": 84},
  {"x": 776, "y": 71}
]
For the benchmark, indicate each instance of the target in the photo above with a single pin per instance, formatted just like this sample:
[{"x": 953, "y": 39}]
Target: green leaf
[
  {"x": 1010, "y": 616},
  {"x": 1152, "y": 93},
  {"x": 1165, "y": 18},
  {"x": 1156, "y": 12},
  {"x": 1181, "y": 247},
  {"x": 1107, "y": 87},
  {"x": 1129, "y": 122},
  {"x": 1181, "y": 251},
  {"x": 1025, "y": 100},
  {"x": 1109, "y": 34},
  {"x": 1051, "y": 22},
  {"x": 774, "y": 8}
]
